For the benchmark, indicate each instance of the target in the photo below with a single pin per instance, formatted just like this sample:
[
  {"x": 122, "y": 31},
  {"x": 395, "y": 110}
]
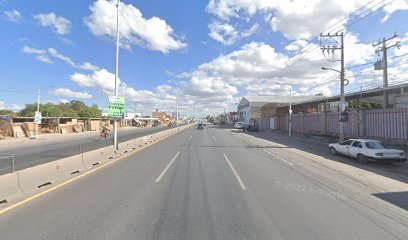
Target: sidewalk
[
  {"x": 318, "y": 145},
  {"x": 321, "y": 140}
]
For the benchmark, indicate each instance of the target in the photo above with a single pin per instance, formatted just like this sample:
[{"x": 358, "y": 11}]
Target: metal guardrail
[{"x": 11, "y": 157}]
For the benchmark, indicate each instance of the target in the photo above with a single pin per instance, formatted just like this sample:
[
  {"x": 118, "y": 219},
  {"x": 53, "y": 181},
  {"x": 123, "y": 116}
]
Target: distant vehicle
[
  {"x": 366, "y": 150},
  {"x": 171, "y": 124},
  {"x": 200, "y": 126},
  {"x": 239, "y": 125}
]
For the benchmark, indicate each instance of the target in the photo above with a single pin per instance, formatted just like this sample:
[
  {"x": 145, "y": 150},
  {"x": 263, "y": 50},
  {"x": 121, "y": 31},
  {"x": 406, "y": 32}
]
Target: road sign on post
[
  {"x": 37, "y": 118},
  {"x": 344, "y": 117},
  {"x": 116, "y": 107}
]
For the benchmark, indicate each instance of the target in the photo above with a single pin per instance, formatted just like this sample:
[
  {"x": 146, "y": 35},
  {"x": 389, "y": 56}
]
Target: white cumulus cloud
[
  {"x": 300, "y": 19},
  {"x": 60, "y": 56},
  {"x": 227, "y": 34},
  {"x": 65, "y": 92},
  {"x": 257, "y": 67},
  {"x": 393, "y": 6},
  {"x": 224, "y": 33},
  {"x": 59, "y": 24},
  {"x": 153, "y": 33},
  {"x": 30, "y": 50},
  {"x": 43, "y": 58},
  {"x": 13, "y": 16},
  {"x": 84, "y": 66}
]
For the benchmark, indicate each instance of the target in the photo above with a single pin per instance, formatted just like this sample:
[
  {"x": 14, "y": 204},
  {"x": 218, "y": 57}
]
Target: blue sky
[{"x": 216, "y": 51}]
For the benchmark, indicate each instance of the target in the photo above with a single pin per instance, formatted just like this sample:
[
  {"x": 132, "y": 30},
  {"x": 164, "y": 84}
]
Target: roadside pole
[
  {"x": 37, "y": 114},
  {"x": 383, "y": 63},
  {"x": 342, "y": 96},
  {"x": 329, "y": 50},
  {"x": 115, "y": 121}
]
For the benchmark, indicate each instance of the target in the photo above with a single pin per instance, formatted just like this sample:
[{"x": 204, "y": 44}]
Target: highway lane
[
  {"x": 202, "y": 184},
  {"x": 34, "y": 155}
]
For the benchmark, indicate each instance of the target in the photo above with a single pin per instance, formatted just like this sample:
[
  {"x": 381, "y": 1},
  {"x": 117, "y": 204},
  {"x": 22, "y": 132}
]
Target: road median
[{"x": 31, "y": 181}]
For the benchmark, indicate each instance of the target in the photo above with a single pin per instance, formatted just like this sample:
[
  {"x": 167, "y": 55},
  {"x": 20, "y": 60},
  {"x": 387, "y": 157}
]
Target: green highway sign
[{"x": 116, "y": 107}]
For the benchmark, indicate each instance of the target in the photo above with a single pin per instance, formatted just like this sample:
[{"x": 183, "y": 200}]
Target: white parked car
[
  {"x": 367, "y": 150},
  {"x": 239, "y": 125}
]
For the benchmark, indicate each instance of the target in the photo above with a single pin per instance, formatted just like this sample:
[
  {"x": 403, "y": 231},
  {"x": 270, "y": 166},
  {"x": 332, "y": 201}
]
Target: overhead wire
[
  {"x": 370, "y": 11},
  {"x": 308, "y": 49}
]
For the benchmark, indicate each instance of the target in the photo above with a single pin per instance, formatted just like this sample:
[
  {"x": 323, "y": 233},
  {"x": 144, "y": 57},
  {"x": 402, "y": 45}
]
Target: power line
[{"x": 308, "y": 49}]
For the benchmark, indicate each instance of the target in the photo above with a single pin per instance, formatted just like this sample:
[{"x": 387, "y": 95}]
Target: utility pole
[
  {"x": 177, "y": 113},
  {"x": 115, "y": 122},
  {"x": 382, "y": 47},
  {"x": 290, "y": 107},
  {"x": 38, "y": 111},
  {"x": 330, "y": 50}
]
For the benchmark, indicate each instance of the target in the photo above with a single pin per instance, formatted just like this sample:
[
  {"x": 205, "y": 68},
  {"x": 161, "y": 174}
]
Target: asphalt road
[
  {"x": 25, "y": 157},
  {"x": 204, "y": 184}
]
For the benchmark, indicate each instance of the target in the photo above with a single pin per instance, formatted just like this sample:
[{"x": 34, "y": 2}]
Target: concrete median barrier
[
  {"x": 30, "y": 180},
  {"x": 109, "y": 153},
  {"x": 9, "y": 188},
  {"x": 93, "y": 158},
  {"x": 34, "y": 178},
  {"x": 71, "y": 166},
  {"x": 126, "y": 147},
  {"x": 146, "y": 140},
  {"x": 139, "y": 142}
]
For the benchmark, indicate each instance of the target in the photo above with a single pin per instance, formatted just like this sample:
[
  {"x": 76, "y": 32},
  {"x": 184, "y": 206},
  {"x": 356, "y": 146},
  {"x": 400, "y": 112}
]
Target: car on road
[
  {"x": 239, "y": 125},
  {"x": 200, "y": 126},
  {"x": 365, "y": 150}
]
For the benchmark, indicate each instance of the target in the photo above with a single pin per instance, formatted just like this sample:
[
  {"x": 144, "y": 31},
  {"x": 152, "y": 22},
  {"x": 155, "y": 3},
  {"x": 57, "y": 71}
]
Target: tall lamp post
[
  {"x": 290, "y": 106},
  {"x": 177, "y": 93},
  {"x": 115, "y": 122}
]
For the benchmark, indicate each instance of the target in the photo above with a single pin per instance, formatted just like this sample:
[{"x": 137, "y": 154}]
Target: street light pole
[
  {"x": 290, "y": 111},
  {"x": 177, "y": 96},
  {"x": 330, "y": 49},
  {"x": 342, "y": 97},
  {"x": 290, "y": 106},
  {"x": 177, "y": 114},
  {"x": 38, "y": 110},
  {"x": 115, "y": 122}
]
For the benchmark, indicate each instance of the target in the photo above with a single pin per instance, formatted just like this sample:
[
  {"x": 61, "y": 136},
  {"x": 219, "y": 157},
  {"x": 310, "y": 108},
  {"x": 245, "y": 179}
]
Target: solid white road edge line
[
  {"x": 235, "y": 173},
  {"x": 189, "y": 138},
  {"x": 167, "y": 168},
  {"x": 279, "y": 158}
]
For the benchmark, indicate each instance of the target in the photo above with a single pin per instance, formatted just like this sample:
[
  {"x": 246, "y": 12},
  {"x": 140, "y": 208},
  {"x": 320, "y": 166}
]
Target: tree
[
  {"x": 6, "y": 112},
  {"x": 72, "y": 109},
  {"x": 77, "y": 105},
  {"x": 365, "y": 105},
  {"x": 29, "y": 110},
  {"x": 90, "y": 112},
  {"x": 67, "y": 111}
]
